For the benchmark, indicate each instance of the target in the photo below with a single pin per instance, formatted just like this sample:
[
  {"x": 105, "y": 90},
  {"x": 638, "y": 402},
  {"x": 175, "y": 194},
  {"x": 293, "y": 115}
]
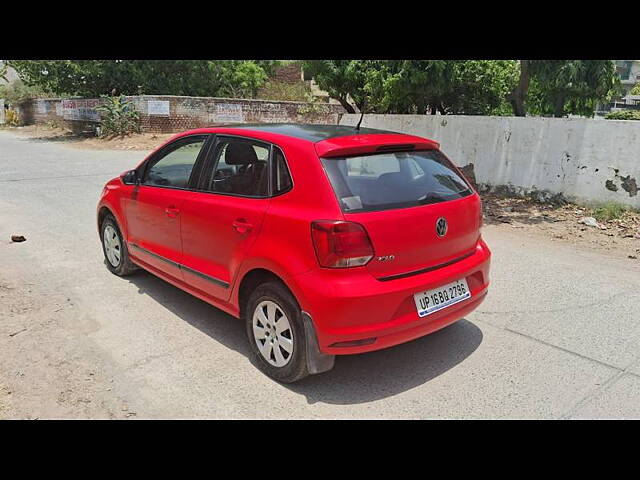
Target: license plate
[{"x": 430, "y": 301}]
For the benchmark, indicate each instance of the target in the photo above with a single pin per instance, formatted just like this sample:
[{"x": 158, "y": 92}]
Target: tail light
[{"x": 341, "y": 244}]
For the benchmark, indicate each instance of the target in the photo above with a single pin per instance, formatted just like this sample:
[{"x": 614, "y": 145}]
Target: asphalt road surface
[{"x": 557, "y": 337}]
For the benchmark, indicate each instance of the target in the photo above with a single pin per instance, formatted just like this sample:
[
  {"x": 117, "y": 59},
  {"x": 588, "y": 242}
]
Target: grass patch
[{"x": 609, "y": 211}]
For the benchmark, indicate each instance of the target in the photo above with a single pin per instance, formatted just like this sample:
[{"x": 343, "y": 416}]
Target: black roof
[{"x": 314, "y": 133}]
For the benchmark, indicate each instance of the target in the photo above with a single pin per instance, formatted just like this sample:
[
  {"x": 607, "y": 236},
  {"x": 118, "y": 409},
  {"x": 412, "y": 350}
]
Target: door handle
[
  {"x": 171, "y": 211},
  {"x": 241, "y": 225}
]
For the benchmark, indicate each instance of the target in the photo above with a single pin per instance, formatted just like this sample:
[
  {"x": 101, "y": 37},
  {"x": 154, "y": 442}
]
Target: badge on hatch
[{"x": 441, "y": 227}]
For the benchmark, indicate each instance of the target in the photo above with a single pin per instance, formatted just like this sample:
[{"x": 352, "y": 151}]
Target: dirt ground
[
  {"x": 136, "y": 141},
  {"x": 619, "y": 237}
]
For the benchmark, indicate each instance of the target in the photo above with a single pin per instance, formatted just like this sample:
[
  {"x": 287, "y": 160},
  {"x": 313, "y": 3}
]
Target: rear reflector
[
  {"x": 340, "y": 244},
  {"x": 354, "y": 343}
]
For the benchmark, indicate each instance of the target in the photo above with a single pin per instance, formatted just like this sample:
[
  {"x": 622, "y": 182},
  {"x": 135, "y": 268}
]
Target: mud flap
[{"x": 317, "y": 362}]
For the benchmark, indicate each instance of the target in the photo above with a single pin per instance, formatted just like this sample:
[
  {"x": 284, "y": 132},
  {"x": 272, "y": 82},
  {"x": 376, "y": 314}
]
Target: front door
[{"x": 154, "y": 208}]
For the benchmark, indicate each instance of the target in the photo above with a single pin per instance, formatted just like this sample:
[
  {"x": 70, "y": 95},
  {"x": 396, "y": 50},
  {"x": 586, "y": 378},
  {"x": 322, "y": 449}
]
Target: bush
[
  {"x": 11, "y": 117},
  {"x": 17, "y": 92},
  {"x": 609, "y": 211},
  {"x": 118, "y": 117},
  {"x": 623, "y": 115}
]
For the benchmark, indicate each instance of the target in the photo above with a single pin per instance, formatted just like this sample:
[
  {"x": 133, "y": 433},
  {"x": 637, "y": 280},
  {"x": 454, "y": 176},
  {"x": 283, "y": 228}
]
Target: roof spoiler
[{"x": 368, "y": 144}]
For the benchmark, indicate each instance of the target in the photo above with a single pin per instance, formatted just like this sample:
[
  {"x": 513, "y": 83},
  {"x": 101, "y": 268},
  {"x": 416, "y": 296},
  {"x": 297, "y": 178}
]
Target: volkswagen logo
[{"x": 441, "y": 227}]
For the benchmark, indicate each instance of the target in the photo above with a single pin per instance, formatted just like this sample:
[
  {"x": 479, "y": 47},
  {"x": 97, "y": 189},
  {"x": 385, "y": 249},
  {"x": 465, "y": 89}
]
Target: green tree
[
  {"x": 17, "y": 92},
  {"x": 518, "y": 95},
  {"x": 471, "y": 87},
  {"x": 635, "y": 90},
  {"x": 564, "y": 87},
  {"x": 347, "y": 81},
  {"x": 92, "y": 78},
  {"x": 243, "y": 81},
  {"x": 561, "y": 87},
  {"x": 417, "y": 86}
]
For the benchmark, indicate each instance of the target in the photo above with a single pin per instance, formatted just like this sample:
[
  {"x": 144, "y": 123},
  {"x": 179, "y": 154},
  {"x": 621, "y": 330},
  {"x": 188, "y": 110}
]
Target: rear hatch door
[{"x": 418, "y": 210}]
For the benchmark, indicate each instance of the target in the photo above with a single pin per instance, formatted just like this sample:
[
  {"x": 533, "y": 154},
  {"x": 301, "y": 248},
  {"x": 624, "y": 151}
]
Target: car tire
[
  {"x": 114, "y": 248},
  {"x": 274, "y": 326}
]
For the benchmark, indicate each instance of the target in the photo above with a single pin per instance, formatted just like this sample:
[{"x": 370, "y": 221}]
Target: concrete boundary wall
[
  {"x": 585, "y": 160},
  {"x": 168, "y": 113}
]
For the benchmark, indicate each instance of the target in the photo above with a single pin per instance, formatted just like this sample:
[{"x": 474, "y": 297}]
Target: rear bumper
[{"x": 352, "y": 305}]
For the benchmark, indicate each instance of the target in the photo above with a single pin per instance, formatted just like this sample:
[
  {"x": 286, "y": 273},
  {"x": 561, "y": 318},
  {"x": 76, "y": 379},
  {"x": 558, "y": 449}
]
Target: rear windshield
[{"x": 394, "y": 180}]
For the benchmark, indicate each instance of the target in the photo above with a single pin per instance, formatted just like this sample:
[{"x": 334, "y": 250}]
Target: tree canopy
[
  {"x": 468, "y": 87},
  {"x": 416, "y": 86},
  {"x": 344, "y": 80},
  {"x": 90, "y": 78},
  {"x": 561, "y": 87}
]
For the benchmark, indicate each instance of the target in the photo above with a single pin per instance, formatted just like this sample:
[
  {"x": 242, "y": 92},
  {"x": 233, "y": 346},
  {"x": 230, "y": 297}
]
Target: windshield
[{"x": 394, "y": 180}]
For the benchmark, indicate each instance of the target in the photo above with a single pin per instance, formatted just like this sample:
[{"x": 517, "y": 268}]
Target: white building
[{"x": 629, "y": 72}]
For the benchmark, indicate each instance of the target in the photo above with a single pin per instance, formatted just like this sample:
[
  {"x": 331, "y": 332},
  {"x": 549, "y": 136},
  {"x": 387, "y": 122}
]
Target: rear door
[
  {"x": 154, "y": 208},
  {"x": 223, "y": 218},
  {"x": 418, "y": 211}
]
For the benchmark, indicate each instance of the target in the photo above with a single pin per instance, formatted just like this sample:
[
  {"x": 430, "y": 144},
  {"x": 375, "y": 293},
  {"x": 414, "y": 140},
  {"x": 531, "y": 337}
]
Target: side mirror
[{"x": 131, "y": 178}]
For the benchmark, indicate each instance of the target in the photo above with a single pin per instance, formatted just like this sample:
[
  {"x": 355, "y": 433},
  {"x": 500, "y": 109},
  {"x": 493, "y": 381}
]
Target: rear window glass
[{"x": 394, "y": 180}]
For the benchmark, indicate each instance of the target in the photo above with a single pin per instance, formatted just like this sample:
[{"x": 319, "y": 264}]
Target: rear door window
[
  {"x": 241, "y": 168},
  {"x": 394, "y": 180}
]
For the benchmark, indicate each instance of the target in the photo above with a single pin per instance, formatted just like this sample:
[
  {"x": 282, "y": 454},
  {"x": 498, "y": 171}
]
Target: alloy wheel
[
  {"x": 273, "y": 333},
  {"x": 112, "y": 246}
]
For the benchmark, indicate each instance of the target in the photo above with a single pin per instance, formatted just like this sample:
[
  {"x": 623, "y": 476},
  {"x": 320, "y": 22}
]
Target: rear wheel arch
[
  {"x": 314, "y": 361},
  {"x": 252, "y": 279}
]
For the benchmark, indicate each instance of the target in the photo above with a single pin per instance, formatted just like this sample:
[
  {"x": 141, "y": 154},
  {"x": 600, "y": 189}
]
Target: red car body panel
[
  {"x": 208, "y": 216},
  {"x": 346, "y": 304}
]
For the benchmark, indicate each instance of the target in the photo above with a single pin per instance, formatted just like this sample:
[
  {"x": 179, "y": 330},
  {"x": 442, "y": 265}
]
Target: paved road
[{"x": 558, "y": 337}]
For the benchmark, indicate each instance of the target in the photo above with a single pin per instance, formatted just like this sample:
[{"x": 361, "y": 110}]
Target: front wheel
[
  {"x": 115, "y": 249},
  {"x": 276, "y": 333}
]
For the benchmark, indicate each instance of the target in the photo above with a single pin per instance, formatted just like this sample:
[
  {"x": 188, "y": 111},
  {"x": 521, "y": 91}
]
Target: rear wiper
[{"x": 431, "y": 198}]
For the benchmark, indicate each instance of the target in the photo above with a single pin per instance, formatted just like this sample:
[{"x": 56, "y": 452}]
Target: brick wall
[
  {"x": 78, "y": 114},
  {"x": 167, "y": 114}
]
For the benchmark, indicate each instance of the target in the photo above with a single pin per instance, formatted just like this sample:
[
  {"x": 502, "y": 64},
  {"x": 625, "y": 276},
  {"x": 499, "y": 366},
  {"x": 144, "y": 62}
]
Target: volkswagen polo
[{"x": 325, "y": 240}]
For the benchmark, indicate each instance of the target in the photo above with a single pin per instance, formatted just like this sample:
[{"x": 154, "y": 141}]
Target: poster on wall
[
  {"x": 59, "y": 111},
  {"x": 158, "y": 107},
  {"x": 227, "y": 113},
  {"x": 80, "y": 110}
]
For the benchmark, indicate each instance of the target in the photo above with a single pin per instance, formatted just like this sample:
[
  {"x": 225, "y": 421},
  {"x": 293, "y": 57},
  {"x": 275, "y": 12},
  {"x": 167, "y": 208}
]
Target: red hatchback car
[{"x": 325, "y": 239}]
